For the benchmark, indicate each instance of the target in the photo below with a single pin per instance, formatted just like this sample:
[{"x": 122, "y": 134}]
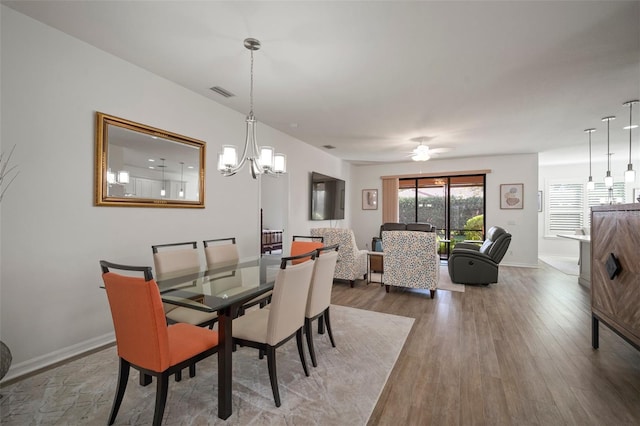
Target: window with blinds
[
  {"x": 569, "y": 204},
  {"x": 565, "y": 212}
]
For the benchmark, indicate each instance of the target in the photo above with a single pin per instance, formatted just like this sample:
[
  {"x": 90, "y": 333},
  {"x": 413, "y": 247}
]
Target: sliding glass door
[{"x": 455, "y": 205}]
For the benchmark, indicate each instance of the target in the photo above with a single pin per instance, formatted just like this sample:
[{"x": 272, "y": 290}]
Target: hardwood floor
[{"x": 513, "y": 353}]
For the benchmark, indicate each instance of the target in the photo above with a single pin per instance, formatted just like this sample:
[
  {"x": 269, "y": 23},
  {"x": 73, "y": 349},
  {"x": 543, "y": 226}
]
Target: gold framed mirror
[{"x": 141, "y": 166}]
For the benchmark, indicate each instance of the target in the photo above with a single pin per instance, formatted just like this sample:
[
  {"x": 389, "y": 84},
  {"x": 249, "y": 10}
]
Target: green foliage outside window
[
  {"x": 474, "y": 228},
  {"x": 432, "y": 210}
]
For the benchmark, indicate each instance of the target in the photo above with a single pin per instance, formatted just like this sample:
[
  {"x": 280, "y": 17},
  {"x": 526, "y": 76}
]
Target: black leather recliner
[{"x": 473, "y": 264}]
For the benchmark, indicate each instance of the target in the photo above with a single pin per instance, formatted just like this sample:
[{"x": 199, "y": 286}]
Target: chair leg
[
  {"x": 321, "y": 325},
  {"x": 123, "y": 376},
  {"x": 352, "y": 283},
  {"x": 178, "y": 375},
  {"x": 145, "y": 379},
  {"x": 273, "y": 377},
  {"x": 309, "y": 334},
  {"x": 192, "y": 370},
  {"x": 162, "y": 388},
  {"x": 387, "y": 288},
  {"x": 303, "y": 360},
  {"x": 433, "y": 293},
  {"x": 328, "y": 321}
]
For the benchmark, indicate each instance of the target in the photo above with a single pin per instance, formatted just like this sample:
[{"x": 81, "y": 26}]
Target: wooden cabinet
[{"x": 615, "y": 230}]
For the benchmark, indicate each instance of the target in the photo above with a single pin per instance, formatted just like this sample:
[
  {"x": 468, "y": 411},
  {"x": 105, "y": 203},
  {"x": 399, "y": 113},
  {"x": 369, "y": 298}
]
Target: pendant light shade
[
  {"x": 630, "y": 174},
  {"x": 181, "y": 193},
  {"x": 261, "y": 159},
  {"x": 591, "y": 185},
  {"x": 162, "y": 191},
  {"x": 608, "y": 179}
]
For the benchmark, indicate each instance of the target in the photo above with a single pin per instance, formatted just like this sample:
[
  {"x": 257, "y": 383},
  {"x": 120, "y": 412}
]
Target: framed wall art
[
  {"x": 369, "y": 199},
  {"x": 512, "y": 196}
]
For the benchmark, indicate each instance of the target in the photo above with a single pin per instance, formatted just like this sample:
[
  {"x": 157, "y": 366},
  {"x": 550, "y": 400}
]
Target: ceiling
[{"x": 473, "y": 77}]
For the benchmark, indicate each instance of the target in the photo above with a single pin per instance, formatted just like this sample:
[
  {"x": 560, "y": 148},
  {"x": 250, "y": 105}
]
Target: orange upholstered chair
[
  {"x": 307, "y": 245},
  {"x": 144, "y": 340}
]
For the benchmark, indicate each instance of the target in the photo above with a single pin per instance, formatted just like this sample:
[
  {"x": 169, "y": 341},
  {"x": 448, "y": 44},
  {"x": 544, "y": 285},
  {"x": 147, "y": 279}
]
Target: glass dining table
[{"x": 222, "y": 289}]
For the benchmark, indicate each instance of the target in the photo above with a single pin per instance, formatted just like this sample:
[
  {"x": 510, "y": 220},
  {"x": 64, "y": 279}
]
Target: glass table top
[{"x": 218, "y": 288}]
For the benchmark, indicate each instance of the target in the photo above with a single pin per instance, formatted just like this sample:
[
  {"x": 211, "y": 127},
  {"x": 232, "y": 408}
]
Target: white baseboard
[
  {"x": 519, "y": 265},
  {"x": 51, "y": 358}
]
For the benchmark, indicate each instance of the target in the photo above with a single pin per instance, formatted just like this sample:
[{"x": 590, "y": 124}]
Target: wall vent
[{"x": 220, "y": 91}]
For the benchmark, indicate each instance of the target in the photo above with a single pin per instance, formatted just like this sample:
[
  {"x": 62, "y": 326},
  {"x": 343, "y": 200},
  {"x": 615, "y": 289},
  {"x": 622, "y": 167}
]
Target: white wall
[
  {"x": 52, "y": 235},
  {"x": 522, "y": 224}
]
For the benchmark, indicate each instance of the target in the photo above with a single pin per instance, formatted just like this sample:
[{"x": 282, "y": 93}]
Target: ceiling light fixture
[
  {"x": 262, "y": 159},
  {"x": 608, "y": 179},
  {"x": 591, "y": 185},
  {"x": 630, "y": 174},
  {"x": 421, "y": 153}
]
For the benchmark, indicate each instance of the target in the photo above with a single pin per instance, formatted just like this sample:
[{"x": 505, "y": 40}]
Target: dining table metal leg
[{"x": 225, "y": 343}]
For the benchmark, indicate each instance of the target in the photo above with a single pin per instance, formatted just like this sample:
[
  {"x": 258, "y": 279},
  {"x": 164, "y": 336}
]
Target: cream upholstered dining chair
[
  {"x": 221, "y": 251},
  {"x": 224, "y": 251},
  {"x": 178, "y": 259},
  {"x": 319, "y": 299},
  {"x": 268, "y": 329},
  {"x": 143, "y": 339}
]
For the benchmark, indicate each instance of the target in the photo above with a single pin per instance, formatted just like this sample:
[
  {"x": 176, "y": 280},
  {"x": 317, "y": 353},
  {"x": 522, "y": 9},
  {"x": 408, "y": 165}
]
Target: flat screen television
[{"x": 327, "y": 197}]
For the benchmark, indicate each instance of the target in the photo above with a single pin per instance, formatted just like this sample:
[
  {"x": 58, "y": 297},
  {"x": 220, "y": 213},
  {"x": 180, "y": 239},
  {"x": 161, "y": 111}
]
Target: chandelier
[{"x": 262, "y": 159}]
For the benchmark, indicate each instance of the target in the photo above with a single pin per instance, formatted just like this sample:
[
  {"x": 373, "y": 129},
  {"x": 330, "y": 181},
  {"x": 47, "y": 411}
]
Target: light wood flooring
[{"x": 513, "y": 353}]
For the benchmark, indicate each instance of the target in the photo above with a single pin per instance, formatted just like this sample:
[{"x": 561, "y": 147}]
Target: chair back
[
  {"x": 322, "y": 281},
  {"x": 169, "y": 261},
  {"x": 496, "y": 244},
  {"x": 222, "y": 251},
  {"x": 411, "y": 259},
  {"x": 289, "y": 299},
  {"x": 310, "y": 244},
  {"x": 420, "y": 226},
  {"x": 138, "y": 317}
]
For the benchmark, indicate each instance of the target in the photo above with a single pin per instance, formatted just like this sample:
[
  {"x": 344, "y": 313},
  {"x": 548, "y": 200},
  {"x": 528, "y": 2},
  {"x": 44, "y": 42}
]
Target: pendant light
[
  {"x": 591, "y": 185},
  {"x": 263, "y": 159},
  {"x": 162, "y": 191},
  {"x": 630, "y": 174},
  {"x": 608, "y": 179},
  {"x": 181, "y": 193}
]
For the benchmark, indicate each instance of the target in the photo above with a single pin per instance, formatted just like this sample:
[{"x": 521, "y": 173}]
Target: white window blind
[
  {"x": 600, "y": 195},
  {"x": 566, "y": 209},
  {"x": 569, "y": 204}
]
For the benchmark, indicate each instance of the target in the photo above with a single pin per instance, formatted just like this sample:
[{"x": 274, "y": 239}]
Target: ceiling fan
[{"x": 422, "y": 152}]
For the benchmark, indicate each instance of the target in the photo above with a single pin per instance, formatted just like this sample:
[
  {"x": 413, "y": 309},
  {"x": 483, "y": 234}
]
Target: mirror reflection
[{"x": 144, "y": 166}]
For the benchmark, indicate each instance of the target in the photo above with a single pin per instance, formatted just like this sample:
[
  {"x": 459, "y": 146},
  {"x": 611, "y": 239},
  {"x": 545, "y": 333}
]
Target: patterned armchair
[
  {"x": 411, "y": 259},
  {"x": 352, "y": 263}
]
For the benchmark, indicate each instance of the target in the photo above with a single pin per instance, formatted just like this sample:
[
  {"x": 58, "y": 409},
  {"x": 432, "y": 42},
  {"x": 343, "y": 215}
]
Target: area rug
[
  {"x": 444, "y": 283},
  {"x": 342, "y": 390}
]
